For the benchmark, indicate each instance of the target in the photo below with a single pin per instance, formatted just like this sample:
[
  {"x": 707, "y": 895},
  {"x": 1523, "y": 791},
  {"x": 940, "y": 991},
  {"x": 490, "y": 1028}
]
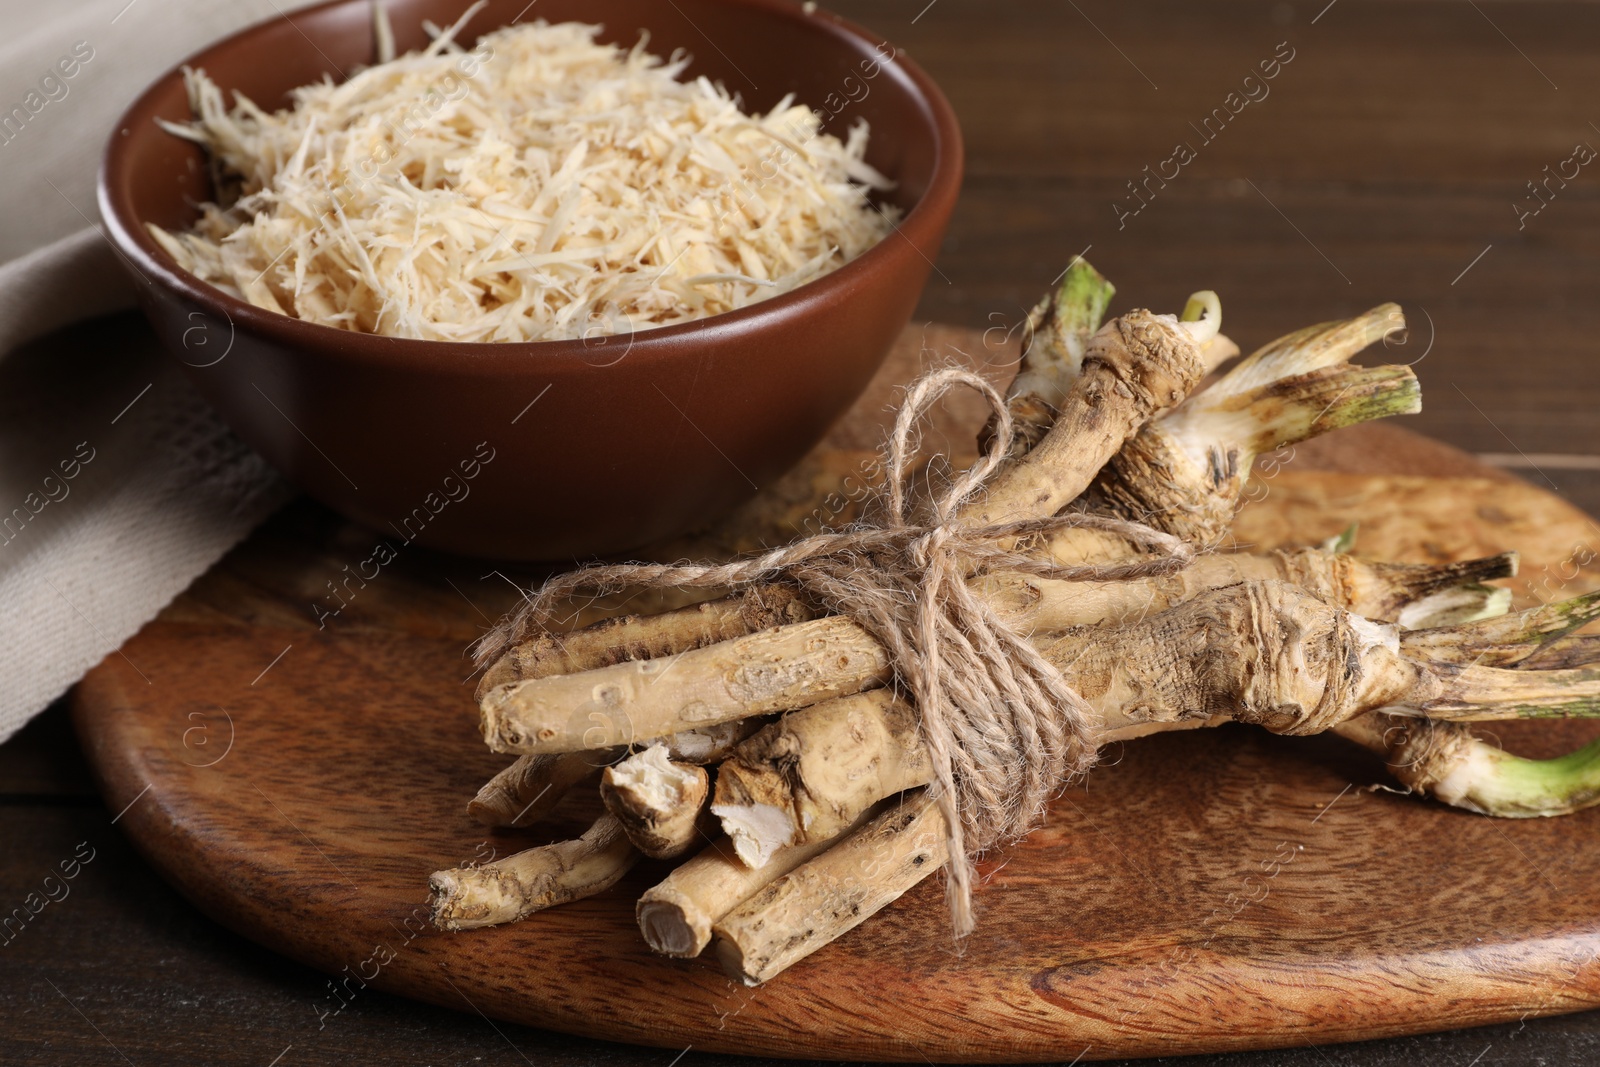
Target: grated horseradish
[{"x": 540, "y": 186}]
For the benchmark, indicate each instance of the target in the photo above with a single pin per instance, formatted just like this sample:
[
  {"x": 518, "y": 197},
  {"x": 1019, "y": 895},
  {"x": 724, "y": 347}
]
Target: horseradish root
[
  {"x": 1023, "y": 638},
  {"x": 526, "y": 791},
  {"x": 1057, "y": 336},
  {"x": 833, "y": 893},
  {"x": 1388, "y": 592},
  {"x": 1506, "y": 640},
  {"x": 1445, "y": 761},
  {"x": 530, "y": 788},
  {"x": 1186, "y": 473},
  {"x": 513, "y": 654},
  {"x": 797, "y": 665},
  {"x": 506, "y": 890},
  {"x": 657, "y": 801},
  {"x": 1261, "y": 652},
  {"x": 813, "y": 772},
  {"x": 1136, "y": 367},
  {"x": 645, "y": 699},
  {"x": 1324, "y": 345},
  {"x": 676, "y": 915},
  {"x": 1272, "y": 655}
]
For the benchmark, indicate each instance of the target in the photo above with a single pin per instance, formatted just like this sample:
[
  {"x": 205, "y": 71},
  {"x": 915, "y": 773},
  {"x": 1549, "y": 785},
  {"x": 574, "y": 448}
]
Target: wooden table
[{"x": 1388, "y": 159}]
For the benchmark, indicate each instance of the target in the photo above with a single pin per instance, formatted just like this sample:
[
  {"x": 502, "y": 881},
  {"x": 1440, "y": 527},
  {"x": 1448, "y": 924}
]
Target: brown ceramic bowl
[{"x": 628, "y": 439}]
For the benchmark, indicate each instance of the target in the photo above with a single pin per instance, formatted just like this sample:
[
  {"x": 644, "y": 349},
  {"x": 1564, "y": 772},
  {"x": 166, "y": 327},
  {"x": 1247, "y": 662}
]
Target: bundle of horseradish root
[{"x": 856, "y": 710}]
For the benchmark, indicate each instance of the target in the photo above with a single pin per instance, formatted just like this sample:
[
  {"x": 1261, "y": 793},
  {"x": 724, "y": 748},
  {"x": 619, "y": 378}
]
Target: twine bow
[{"x": 1003, "y": 729}]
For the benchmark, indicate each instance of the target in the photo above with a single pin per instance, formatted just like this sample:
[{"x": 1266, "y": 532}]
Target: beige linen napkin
[{"x": 118, "y": 484}]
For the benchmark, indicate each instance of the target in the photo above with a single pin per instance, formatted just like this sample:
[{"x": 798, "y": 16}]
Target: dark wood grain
[
  {"x": 298, "y": 785},
  {"x": 1376, "y": 91}
]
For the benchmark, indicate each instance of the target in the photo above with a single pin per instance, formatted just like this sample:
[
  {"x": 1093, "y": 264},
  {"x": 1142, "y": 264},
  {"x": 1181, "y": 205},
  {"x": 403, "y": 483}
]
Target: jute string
[{"x": 1003, "y": 729}]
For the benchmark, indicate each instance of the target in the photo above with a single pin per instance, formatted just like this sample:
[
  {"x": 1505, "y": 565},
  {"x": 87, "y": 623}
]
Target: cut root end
[
  {"x": 658, "y": 801},
  {"x": 756, "y": 830}
]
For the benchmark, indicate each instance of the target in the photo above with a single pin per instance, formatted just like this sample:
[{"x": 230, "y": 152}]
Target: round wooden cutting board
[{"x": 1203, "y": 891}]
